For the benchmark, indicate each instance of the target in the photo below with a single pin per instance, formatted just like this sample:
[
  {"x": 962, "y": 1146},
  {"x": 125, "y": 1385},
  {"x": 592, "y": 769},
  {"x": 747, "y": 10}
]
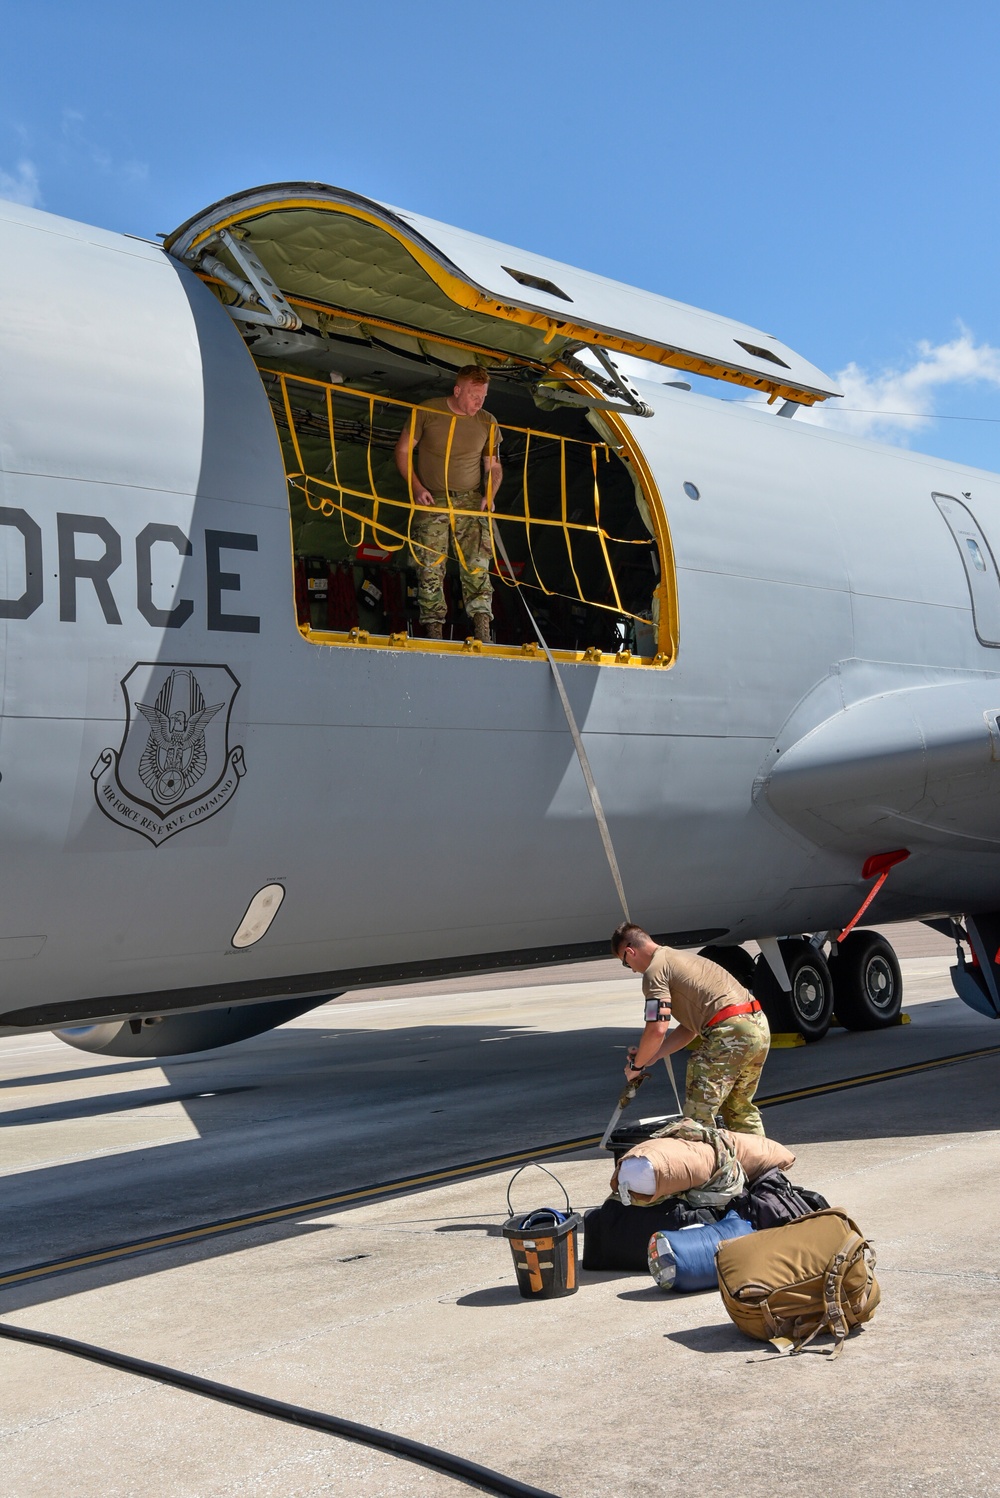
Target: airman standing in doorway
[
  {"x": 715, "y": 1015},
  {"x": 456, "y": 443}
]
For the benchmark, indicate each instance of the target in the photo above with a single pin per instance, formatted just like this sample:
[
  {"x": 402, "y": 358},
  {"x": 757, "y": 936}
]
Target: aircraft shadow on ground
[
  {"x": 326, "y": 1116},
  {"x": 79, "y": 1074},
  {"x": 141, "y": 1265}
]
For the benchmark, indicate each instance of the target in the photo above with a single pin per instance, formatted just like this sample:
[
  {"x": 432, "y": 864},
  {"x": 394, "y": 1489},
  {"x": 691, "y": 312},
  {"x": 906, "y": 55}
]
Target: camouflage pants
[
  {"x": 470, "y": 540},
  {"x": 723, "y": 1072}
]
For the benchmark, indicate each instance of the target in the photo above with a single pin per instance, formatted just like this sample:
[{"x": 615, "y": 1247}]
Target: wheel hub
[
  {"x": 879, "y": 983},
  {"x": 810, "y": 993}
]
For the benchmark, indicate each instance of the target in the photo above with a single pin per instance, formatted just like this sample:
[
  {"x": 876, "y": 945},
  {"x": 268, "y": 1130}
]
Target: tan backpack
[{"x": 786, "y": 1284}]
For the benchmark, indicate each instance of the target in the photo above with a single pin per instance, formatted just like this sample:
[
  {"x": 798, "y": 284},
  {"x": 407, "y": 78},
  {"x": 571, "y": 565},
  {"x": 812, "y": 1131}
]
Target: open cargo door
[
  {"x": 327, "y": 250},
  {"x": 357, "y": 314}
]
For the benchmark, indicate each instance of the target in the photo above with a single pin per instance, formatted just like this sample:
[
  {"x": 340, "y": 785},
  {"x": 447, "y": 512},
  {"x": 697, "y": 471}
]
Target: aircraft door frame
[{"x": 981, "y": 572}]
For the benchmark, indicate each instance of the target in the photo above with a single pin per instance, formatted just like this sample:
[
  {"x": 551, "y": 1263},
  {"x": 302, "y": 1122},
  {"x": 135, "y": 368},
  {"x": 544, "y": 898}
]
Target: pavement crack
[
  {"x": 944, "y": 1274},
  {"x": 959, "y": 1142}
]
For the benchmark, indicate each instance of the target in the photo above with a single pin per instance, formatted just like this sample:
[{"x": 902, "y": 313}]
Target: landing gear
[
  {"x": 808, "y": 1007},
  {"x": 976, "y": 982},
  {"x": 736, "y": 961},
  {"x": 867, "y": 984}
]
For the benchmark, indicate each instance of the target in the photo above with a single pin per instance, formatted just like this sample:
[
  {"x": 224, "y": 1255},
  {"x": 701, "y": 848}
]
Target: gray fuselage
[{"x": 426, "y": 812}]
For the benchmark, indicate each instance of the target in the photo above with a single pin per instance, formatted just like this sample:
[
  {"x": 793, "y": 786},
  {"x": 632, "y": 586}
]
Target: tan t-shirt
[
  {"x": 470, "y": 442},
  {"x": 690, "y": 987}
]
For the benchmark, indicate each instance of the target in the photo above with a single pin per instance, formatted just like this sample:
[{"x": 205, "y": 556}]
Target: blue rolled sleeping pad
[{"x": 684, "y": 1258}]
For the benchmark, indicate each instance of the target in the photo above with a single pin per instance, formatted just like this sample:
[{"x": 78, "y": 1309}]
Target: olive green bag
[{"x": 787, "y": 1284}]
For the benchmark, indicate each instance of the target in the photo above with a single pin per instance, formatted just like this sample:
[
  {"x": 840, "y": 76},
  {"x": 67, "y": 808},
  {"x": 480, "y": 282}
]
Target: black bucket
[{"x": 543, "y": 1243}]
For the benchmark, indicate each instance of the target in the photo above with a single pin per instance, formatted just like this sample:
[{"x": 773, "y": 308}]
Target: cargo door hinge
[
  {"x": 261, "y": 300},
  {"x": 624, "y": 397}
]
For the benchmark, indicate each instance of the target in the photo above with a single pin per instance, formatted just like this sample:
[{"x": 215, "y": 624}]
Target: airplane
[{"x": 235, "y": 778}]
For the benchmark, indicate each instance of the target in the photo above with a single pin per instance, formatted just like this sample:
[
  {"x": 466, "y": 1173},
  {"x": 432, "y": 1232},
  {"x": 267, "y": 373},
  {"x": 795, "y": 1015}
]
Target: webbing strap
[
  {"x": 581, "y": 753},
  {"x": 588, "y": 774},
  {"x": 834, "y": 1318}
]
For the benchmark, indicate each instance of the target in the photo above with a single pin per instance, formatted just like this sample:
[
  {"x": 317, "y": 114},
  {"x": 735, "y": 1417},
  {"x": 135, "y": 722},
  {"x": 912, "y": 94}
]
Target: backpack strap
[
  {"x": 834, "y": 1314},
  {"x": 870, "y": 1262}
]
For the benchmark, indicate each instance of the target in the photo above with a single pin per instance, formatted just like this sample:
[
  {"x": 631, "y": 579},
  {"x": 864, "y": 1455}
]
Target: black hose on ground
[{"x": 483, "y": 1478}]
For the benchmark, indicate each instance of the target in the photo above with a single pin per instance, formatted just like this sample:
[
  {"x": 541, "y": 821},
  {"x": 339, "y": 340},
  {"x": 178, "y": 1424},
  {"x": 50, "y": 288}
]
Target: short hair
[
  {"x": 629, "y": 935},
  {"x": 474, "y": 373}
]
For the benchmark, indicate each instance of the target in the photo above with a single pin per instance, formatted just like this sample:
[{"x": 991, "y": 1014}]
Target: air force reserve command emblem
[{"x": 175, "y": 768}]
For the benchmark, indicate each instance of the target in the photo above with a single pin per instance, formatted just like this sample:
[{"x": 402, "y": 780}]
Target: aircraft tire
[
  {"x": 736, "y": 961},
  {"x": 867, "y": 983},
  {"x": 808, "y": 1009}
]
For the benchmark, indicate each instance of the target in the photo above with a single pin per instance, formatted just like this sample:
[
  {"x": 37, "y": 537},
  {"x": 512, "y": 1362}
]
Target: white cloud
[
  {"x": 890, "y": 404},
  {"x": 21, "y": 185},
  {"x": 893, "y": 403},
  {"x": 78, "y": 140}
]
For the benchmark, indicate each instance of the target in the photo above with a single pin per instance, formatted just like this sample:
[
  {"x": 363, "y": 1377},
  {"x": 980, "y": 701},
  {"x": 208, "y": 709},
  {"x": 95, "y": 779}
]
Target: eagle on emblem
[{"x": 175, "y": 757}]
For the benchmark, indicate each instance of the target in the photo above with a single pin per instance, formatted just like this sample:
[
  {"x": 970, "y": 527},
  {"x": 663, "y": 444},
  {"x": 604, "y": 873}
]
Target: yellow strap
[
  {"x": 565, "y": 518},
  {"x": 390, "y": 537},
  {"x": 489, "y": 490},
  {"x": 404, "y": 538},
  {"x": 409, "y": 482},
  {"x": 392, "y": 400},
  {"x": 371, "y": 476},
  {"x": 447, "y": 490},
  {"x": 402, "y": 504},
  {"x": 291, "y": 423},
  {"x": 333, "y": 436},
  {"x": 600, "y": 532}
]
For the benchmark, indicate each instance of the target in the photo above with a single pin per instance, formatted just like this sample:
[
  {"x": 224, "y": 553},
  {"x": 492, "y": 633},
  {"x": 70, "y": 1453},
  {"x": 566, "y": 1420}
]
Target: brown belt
[{"x": 752, "y": 1008}]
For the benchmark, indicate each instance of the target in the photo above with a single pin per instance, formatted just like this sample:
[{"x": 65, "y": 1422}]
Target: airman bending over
[
  {"x": 716, "y": 1016},
  {"x": 456, "y": 467}
]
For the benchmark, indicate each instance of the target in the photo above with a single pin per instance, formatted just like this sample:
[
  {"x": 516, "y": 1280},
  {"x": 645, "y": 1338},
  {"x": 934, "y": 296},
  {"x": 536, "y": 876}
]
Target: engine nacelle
[{"x": 178, "y": 1034}]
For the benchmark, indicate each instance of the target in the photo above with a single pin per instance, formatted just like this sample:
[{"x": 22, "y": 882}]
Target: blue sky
[{"x": 825, "y": 172}]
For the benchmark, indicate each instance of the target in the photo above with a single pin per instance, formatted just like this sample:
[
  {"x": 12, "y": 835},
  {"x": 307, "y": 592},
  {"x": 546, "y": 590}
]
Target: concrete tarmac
[{"x": 403, "y": 1312}]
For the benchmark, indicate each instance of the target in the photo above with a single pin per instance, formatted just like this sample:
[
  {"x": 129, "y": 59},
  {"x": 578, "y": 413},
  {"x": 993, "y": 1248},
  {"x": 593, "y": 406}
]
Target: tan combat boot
[
  {"x": 481, "y": 627},
  {"x": 434, "y": 629}
]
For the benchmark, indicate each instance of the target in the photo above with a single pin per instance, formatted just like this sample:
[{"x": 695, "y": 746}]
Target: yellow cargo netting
[{"x": 388, "y": 519}]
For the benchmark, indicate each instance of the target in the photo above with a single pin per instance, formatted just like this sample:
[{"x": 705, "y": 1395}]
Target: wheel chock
[
  {"x": 902, "y": 1019},
  {"x": 785, "y": 1040}
]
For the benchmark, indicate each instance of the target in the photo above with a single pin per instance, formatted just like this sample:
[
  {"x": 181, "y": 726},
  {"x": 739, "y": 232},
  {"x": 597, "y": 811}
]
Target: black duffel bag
[{"x": 617, "y": 1237}]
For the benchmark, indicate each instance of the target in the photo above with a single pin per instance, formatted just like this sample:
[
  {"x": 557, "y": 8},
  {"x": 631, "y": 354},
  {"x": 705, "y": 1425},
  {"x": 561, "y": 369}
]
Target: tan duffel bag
[{"x": 786, "y": 1284}]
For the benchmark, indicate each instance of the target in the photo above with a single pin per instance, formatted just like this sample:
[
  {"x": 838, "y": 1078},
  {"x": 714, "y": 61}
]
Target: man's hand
[
  {"x": 631, "y": 1070},
  {"x": 422, "y": 496}
]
